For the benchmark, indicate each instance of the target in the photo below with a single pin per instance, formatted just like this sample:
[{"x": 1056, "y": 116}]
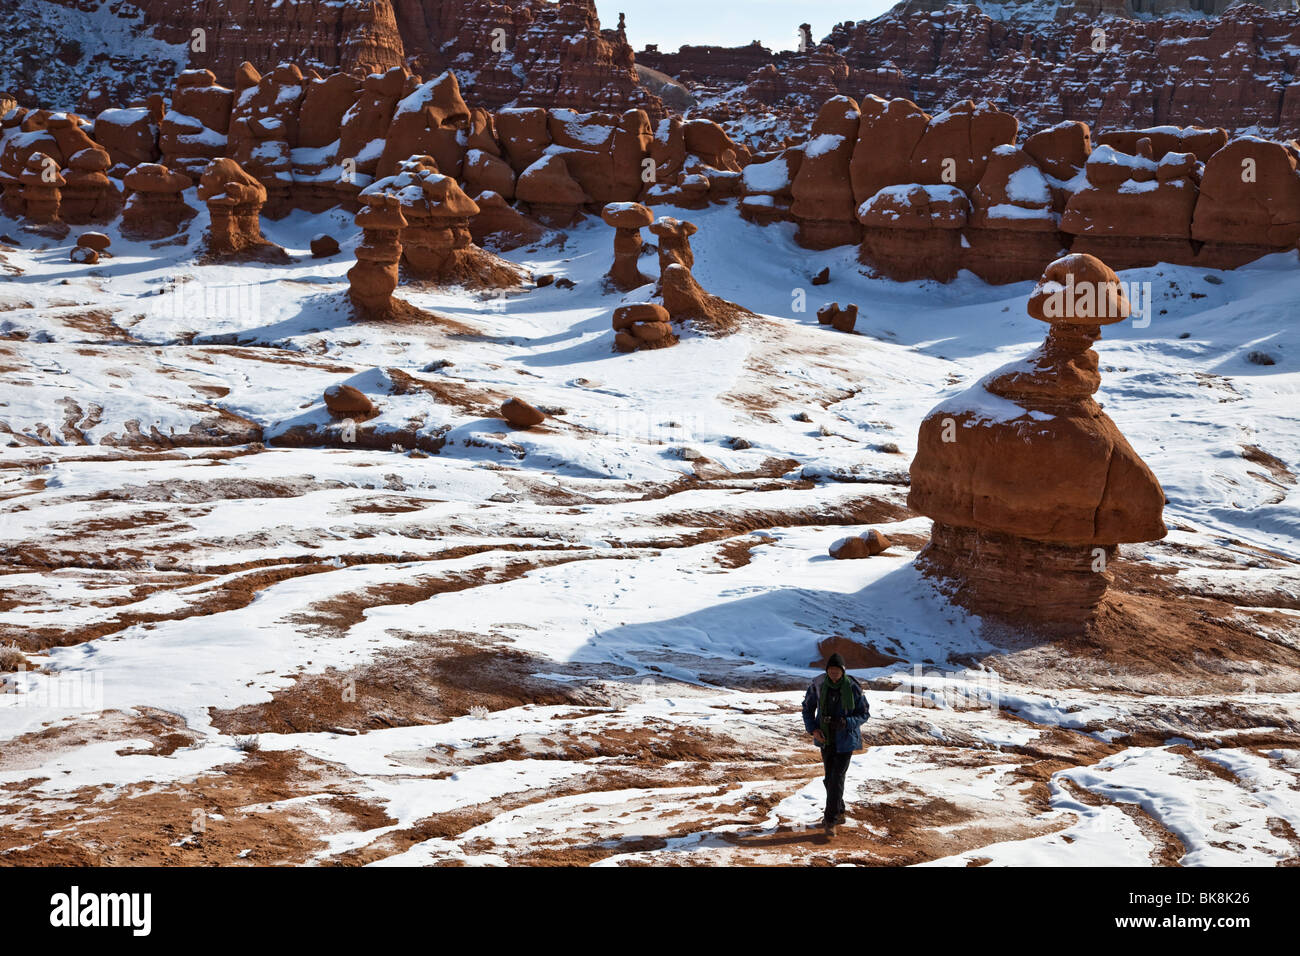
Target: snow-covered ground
[{"x": 588, "y": 642}]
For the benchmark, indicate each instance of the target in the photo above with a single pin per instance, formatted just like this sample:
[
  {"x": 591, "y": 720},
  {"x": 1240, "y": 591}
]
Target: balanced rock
[
  {"x": 1030, "y": 485},
  {"x": 627, "y": 218},
  {"x": 94, "y": 240},
  {"x": 437, "y": 244}
]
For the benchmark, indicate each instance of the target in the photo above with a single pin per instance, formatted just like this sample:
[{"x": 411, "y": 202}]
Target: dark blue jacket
[{"x": 850, "y": 738}]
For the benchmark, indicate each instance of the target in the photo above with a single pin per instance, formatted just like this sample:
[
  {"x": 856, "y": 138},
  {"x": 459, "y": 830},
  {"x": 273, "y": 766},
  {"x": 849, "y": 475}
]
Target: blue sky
[{"x": 775, "y": 23}]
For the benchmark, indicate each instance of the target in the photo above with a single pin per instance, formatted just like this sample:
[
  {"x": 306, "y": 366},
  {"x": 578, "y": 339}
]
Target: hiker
[{"x": 834, "y": 710}]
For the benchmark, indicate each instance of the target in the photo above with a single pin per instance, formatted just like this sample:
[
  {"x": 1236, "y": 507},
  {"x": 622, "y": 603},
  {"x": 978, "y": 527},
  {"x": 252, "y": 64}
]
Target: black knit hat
[{"x": 836, "y": 661}]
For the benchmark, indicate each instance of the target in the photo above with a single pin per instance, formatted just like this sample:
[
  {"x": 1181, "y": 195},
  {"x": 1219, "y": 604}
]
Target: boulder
[
  {"x": 348, "y": 402},
  {"x": 520, "y": 414},
  {"x": 842, "y": 320}
]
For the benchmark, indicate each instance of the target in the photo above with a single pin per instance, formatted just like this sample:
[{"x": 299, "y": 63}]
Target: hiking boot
[
  {"x": 839, "y": 817},
  {"x": 828, "y": 827}
]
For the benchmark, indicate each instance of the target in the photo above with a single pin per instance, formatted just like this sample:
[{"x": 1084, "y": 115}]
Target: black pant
[{"x": 837, "y": 766}]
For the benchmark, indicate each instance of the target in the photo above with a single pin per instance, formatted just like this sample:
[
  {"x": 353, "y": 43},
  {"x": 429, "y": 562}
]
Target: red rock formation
[
  {"x": 365, "y": 126},
  {"x": 1249, "y": 202},
  {"x": 263, "y": 130},
  {"x": 842, "y": 320},
  {"x": 681, "y": 295},
  {"x": 234, "y": 200},
  {"x": 372, "y": 281},
  {"x": 41, "y": 185},
  {"x": 627, "y": 219},
  {"x": 551, "y": 192},
  {"x": 428, "y": 121},
  {"x": 767, "y": 187},
  {"x": 155, "y": 206},
  {"x": 913, "y": 231},
  {"x": 1135, "y": 210},
  {"x": 823, "y": 189},
  {"x": 1061, "y": 152},
  {"x": 520, "y": 414},
  {"x": 644, "y": 325},
  {"x": 500, "y": 226},
  {"x": 350, "y": 36},
  {"x": 193, "y": 132},
  {"x": 1030, "y": 485},
  {"x": 484, "y": 172},
  {"x": 865, "y": 545},
  {"x": 346, "y": 401},
  {"x": 887, "y": 136},
  {"x": 956, "y": 144},
  {"x": 1013, "y": 231},
  {"x": 674, "y": 237},
  {"x": 1201, "y": 143},
  {"x": 436, "y": 244},
  {"x": 130, "y": 135},
  {"x": 525, "y": 134}
]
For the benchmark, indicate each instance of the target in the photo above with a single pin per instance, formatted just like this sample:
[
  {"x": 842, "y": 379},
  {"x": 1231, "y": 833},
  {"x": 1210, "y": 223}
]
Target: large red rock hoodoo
[{"x": 1030, "y": 485}]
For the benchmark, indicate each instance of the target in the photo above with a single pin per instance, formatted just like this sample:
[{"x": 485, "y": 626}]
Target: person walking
[{"x": 834, "y": 710}]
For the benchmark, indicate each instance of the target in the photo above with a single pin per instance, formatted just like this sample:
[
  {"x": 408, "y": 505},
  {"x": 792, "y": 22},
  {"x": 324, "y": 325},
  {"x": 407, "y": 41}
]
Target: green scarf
[{"x": 845, "y": 687}]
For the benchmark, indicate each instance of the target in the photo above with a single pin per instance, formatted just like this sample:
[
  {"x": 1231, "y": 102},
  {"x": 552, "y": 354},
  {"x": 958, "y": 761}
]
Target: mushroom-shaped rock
[
  {"x": 437, "y": 243},
  {"x": 520, "y": 414},
  {"x": 155, "y": 204},
  {"x": 674, "y": 242},
  {"x": 627, "y": 218},
  {"x": 349, "y": 402},
  {"x": 1030, "y": 485},
  {"x": 94, "y": 240},
  {"x": 234, "y": 200}
]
